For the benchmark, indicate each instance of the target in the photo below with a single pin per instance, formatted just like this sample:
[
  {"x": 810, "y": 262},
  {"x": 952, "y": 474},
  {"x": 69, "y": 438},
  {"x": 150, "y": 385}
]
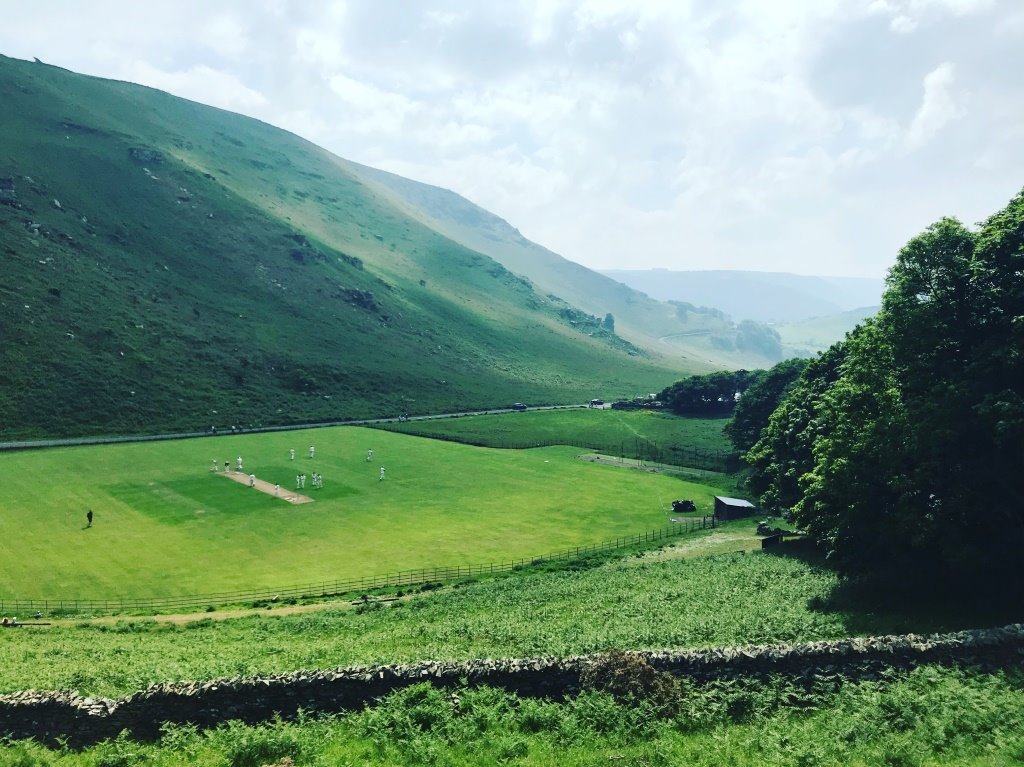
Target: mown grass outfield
[{"x": 166, "y": 525}]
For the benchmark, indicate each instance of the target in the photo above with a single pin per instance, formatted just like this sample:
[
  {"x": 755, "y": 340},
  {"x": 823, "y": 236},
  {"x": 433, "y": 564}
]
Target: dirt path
[{"x": 266, "y": 487}]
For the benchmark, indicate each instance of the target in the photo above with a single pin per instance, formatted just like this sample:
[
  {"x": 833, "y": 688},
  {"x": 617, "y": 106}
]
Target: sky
[{"x": 806, "y": 136}]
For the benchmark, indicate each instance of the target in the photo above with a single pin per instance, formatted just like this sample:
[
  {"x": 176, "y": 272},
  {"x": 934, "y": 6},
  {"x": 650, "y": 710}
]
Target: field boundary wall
[
  {"x": 53, "y": 717},
  {"x": 321, "y": 589}
]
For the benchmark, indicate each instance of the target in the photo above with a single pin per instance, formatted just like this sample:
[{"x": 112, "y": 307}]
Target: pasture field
[
  {"x": 165, "y": 525},
  {"x": 586, "y": 425}
]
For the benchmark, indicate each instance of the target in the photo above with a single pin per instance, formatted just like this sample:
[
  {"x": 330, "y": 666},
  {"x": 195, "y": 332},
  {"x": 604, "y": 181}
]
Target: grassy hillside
[
  {"x": 172, "y": 266},
  {"x": 698, "y": 337}
]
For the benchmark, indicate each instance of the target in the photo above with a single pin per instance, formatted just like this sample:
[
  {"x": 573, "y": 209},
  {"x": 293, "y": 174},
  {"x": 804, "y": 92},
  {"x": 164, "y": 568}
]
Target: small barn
[{"x": 732, "y": 508}]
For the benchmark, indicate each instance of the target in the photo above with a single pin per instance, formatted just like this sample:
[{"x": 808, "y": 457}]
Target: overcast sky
[{"x": 811, "y": 136}]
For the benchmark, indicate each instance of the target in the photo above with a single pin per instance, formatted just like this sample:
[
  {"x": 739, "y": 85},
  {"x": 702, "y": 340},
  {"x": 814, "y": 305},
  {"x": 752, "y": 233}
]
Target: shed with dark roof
[{"x": 732, "y": 508}]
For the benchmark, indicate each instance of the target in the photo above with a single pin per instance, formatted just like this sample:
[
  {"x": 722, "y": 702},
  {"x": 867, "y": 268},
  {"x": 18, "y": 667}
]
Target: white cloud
[
  {"x": 225, "y": 34},
  {"x": 907, "y": 15},
  {"x": 669, "y": 132},
  {"x": 370, "y": 109},
  {"x": 200, "y": 83},
  {"x": 938, "y": 107}
]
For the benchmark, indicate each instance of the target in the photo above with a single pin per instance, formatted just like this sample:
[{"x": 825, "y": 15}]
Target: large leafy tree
[
  {"x": 783, "y": 453},
  {"x": 714, "y": 394},
  {"x": 760, "y": 399},
  {"x": 906, "y": 440}
]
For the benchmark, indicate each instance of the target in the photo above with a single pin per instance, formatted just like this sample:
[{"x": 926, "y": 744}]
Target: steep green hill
[
  {"x": 167, "y": 265},
  {"x": 696, "y": 336}
]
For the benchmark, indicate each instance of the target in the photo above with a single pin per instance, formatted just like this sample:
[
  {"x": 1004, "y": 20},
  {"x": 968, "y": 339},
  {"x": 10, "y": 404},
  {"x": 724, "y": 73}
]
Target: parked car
[{"x": 519, "y": 406}]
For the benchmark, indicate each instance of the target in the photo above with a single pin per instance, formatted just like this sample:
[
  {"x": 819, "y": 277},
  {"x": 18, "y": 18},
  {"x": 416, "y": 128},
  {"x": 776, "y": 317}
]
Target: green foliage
[
  {"x": 783, "y": 453},
  {"x": 714, "y": 394},
  {"x": 902, "y": 444},
  {"x": 254, "y": 746},
  {"x": 630, "y": 679},
  {"x": 760, "y": 399}
]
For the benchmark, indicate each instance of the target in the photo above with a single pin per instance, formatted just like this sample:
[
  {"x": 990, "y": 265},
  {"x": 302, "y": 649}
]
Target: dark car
[{"x": 519, "y": 406}]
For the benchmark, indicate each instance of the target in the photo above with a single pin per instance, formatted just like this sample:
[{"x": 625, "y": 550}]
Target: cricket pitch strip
[{"x": 266, "y": 487}]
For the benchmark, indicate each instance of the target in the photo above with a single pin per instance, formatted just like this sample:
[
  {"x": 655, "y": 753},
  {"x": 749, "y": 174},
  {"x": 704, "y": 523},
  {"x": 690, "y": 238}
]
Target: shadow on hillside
[{"x": 910, "y": 599}]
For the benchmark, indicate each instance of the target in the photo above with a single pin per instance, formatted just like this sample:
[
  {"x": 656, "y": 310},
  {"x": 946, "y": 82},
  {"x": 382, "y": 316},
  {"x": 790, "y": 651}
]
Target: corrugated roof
[{"x": 734, "y": 501}]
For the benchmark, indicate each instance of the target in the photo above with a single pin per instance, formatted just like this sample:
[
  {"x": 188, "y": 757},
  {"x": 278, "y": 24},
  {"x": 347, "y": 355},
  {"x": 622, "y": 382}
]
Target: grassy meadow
[
  {"x": 166, "y": 525},
  {"x": 586, "y": 425}
]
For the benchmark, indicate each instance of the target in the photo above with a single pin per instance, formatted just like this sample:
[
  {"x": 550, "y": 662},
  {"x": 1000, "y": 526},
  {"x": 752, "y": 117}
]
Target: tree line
[{"x": 903, "y": 443}]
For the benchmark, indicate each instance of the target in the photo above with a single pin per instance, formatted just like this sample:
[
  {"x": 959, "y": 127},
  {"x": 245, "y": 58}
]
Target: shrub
[
  {"x": 256, "y": 746},
  {"x": 630, "y": 679}
]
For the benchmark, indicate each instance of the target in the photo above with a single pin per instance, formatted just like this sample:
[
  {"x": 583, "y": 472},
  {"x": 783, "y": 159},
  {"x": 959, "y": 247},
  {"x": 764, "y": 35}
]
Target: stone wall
[{"x": 48, "y": 716}]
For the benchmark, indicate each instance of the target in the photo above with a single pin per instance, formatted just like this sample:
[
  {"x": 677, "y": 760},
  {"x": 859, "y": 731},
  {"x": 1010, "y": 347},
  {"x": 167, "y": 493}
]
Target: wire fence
[{"x": 324, "y": 589}]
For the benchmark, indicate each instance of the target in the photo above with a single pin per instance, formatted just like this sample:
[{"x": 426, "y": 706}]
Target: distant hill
[
  {"x": 808, "y": 337},
  {"x": 168, "y": 265},
  {"x": 761, "y": 296},
  {"x": 701, "y": 335}
]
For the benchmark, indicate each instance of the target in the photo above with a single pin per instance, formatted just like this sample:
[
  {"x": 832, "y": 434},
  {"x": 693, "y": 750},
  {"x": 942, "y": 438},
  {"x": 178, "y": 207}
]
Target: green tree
[
  {"x": 904, "y": 442},
  {"x": 609, "y": 323},
  {"x": 762, "y": 396},
  {"x": 714, "y": 394},
  {"x": 783, "y": 453}
]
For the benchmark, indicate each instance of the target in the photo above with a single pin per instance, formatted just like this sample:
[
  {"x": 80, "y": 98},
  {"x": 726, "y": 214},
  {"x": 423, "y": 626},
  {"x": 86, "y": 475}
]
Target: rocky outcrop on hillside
[{"x": 53, "y": 716}]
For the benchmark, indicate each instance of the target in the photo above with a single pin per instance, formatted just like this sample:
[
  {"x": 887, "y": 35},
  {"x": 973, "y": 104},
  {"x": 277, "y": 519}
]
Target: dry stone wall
[{"x": 49, "y": 716}]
